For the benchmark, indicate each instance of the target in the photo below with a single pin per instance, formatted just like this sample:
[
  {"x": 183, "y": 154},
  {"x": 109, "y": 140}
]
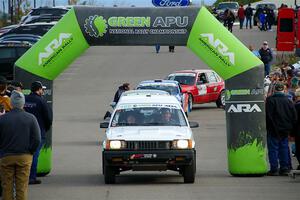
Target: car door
[
  {"x": 212, "y": 86},
  {"x": 202, "y": 95}
]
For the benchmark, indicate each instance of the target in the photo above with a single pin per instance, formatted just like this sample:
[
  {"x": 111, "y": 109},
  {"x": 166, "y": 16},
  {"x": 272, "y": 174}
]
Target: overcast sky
[{"x": 102, "y": 2}]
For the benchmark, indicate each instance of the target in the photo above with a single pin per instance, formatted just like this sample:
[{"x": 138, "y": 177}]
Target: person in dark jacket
[
  {"x": 249, "y": 14},
  {"x": 37, "y": 105},
  {"x": 296, "y": 132},
  {"x": 122, "y": 88},
  {"x": 266, "y": 56},
  {"x": 281, "y": 118},
  {"x": 229, "y": 19},
  {"x": 19, "y": 139}
]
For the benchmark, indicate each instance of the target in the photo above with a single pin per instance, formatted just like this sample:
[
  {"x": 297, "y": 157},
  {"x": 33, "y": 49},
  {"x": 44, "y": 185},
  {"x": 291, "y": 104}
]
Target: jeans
[
  {"x": 249, "y": 19},
  {"x": 267, "y": 69},
  {"x": 241, "y": 22},
  {"x": 157, "y": 48},
  {"x": 33, "y": 170},
  {"x": 15, "y": 171},
  {"x": 278, "y": 149}
]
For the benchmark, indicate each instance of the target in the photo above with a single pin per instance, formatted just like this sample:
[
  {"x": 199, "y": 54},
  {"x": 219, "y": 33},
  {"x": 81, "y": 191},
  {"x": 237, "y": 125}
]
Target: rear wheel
[{"x": 221, "y": 100}]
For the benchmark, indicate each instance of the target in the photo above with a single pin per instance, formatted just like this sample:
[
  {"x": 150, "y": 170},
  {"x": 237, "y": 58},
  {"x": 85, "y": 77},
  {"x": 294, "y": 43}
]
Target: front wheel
[
  {"x": 189, "y": 172},
  {"x": 221, "y": 100},
  {"x": 109, "y": 175}
]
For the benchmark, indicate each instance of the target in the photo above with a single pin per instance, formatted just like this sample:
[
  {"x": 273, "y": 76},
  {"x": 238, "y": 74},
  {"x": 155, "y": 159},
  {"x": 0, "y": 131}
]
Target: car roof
[
  {"x": 158, "y": 82},
  {"x": 148, "y": 99},
  {"x": 193, "y": 71},
  {"x": 144, "y": 92}
]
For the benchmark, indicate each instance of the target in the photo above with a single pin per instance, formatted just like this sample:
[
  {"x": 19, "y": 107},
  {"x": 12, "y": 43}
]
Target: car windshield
[
  {"x": 171, "y": 89},
  {"x": 148, "y": 115},
  {"x": 224, "y": 6},
  {"x": 184, "y": 79}
]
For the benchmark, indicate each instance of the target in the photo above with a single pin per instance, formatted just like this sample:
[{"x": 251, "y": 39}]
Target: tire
[
  {"x": 221, "y": 100},
  {"x": 109, "y": 175},
  {"x": 189, "y": 172},
  {"x": 190, "y": 103}
]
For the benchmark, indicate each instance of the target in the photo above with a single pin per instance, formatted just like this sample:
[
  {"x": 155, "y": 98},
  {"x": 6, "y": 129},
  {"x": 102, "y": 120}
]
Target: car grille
[{"x": 148, "y": 145}]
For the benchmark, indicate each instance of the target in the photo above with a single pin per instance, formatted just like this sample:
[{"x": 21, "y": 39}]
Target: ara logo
[
  {"x": 244, "y": 108},
  {"x": 220, "y": 46},
  {"x": 53, "y": 45}
]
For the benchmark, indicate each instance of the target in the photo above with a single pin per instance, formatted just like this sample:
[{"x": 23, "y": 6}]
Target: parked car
[
  {"x": 170, "y": 86},
  {"x": 148, "y": 133},
  {"x": 201, "y": 86},
  {"x": 39, "y": 15},
  {"x": 44, "y": 14},
  {"x": 10, "y": 52},
  {"x": 222, "y": 6}
]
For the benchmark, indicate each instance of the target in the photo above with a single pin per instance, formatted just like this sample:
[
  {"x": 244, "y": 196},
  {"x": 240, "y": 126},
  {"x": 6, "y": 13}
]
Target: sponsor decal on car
[{"x": 131, "y": 106}]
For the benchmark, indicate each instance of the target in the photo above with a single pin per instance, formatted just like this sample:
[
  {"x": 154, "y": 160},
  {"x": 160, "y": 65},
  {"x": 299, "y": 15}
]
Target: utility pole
[
  {"x": 34, "y": 3},
  {"x": 11, "y": 8},
  {"x": 53, "y": 3}
]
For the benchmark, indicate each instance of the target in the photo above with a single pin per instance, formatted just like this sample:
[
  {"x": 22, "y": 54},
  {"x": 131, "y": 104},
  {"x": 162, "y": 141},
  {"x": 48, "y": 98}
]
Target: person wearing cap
[
  {"x": 121, "y": 89},
  {"x": 37, "y": 105},
  {"x": 266, "y": 56},
  {"x": 4, "y": 99},
  {"x": 296, "y": 132},
  {"x": 19, "y": 140},
  {"x": 281, "y": 118}
]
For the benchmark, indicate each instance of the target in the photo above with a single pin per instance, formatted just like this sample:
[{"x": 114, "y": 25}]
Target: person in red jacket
[{"x": 241, "y": 15}]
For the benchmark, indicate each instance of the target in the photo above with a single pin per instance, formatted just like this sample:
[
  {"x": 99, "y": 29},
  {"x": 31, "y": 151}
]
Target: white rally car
[{"x": 148, "y": 132}]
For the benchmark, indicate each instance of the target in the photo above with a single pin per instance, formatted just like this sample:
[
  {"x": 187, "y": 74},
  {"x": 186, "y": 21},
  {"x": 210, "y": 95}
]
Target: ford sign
[{"x": 168, "y": 3}]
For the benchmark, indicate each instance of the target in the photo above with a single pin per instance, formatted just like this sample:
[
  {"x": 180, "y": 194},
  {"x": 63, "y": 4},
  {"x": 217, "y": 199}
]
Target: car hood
[
  {"x": 142, "y": 133},
  {"x": 187, "y": 88}
]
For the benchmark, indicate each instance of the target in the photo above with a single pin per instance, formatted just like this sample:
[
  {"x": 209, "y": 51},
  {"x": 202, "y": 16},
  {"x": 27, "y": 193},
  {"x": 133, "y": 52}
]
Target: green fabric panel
[
  {"x": 56, "y": 50},
  {"x": 218, "y": 48}
]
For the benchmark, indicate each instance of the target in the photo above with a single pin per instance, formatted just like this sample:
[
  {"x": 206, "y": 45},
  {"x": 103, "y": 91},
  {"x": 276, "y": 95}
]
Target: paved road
[{"x": 81, "y": 97}]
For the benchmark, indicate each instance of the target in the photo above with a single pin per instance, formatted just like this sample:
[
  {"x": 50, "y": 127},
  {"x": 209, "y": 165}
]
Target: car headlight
[
  {"x": 183, "y": 144},
  {"x": 115, "y": 144}
]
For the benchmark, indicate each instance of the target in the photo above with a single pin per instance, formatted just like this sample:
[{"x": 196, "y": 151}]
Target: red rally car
[{"x": 203, "y": 86}]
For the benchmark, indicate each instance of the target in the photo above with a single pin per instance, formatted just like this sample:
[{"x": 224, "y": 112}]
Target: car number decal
[{"x": 202, "y": 89}]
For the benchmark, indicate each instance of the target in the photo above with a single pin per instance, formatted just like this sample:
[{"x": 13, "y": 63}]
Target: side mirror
[
  {"x": 113, "y": 104},
  {"x": 104, "y": 124},
  {"x": 194, "y": 124}
]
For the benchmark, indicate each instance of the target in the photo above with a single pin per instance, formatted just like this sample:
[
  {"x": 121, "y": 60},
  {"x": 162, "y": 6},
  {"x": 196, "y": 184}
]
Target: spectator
[
  {"x": 37, "y": 105},
  {"x": 255, "y": 52},
  {"x": 266, "y": 56},
  {"x": 241, "y": 15},
  {"x": 281, "y": 118},
  {"x": 172, "y": 49},
  {"x": 4, "y": 99},
  {"x": 262, "y": 20},
  {"x": 19, "y": 139},
  {"x": 296, "y": 133},
  {"x": 270, "y": 18},
  {"x": 274, "y": 78},
  {"x": 122, "y": 88},
  {"x": 157, "y": 48},
  {"x": 15, "y": 85},
  {"x": 229, "y": 19},
  {"x": 249, "y": 14}
]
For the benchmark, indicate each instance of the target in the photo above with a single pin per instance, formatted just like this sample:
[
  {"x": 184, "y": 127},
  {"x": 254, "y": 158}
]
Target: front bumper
[{"x": 149, "y": 159}]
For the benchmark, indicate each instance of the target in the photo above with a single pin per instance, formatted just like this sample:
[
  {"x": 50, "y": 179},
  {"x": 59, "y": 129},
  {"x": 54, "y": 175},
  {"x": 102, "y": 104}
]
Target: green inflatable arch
[{"x": 193, "y": 27}]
